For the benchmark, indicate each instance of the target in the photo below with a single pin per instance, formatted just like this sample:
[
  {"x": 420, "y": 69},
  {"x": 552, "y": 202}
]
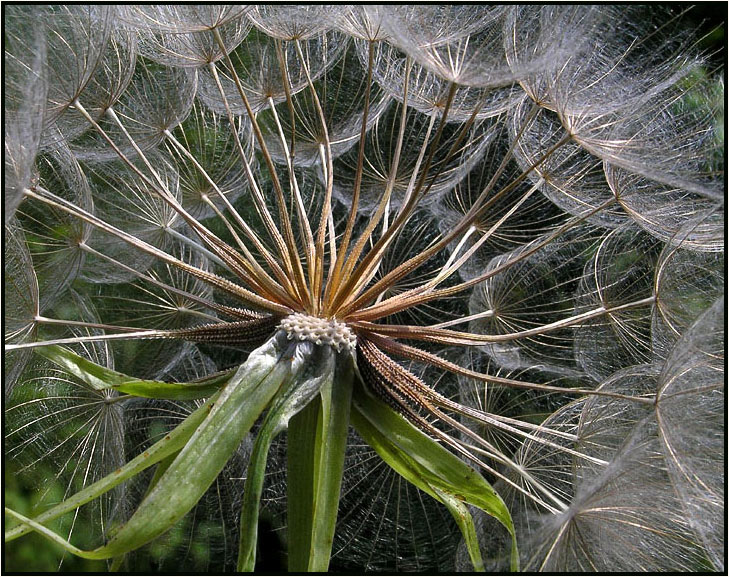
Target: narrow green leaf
[
  {"x": 50, "y": 535},
  {"x": 331, "y": 445},
  {"x": 116, "y": 563},
  {"x": 100, "y": 378},
  {"x": 94, "y": 375},
  {"x": 162, "y": 449},
  {"x": 428, "y": 465},
  {"x": 206, "y": 453},
  {"x": 238, "y": 406},
  {"x": 330, "y": 449},
  {"x": 255, "y": 474},
  {"x": 464, "y": 519},
  {"x": 162, "y": 467},
  {"x": 198, "y": 389}
]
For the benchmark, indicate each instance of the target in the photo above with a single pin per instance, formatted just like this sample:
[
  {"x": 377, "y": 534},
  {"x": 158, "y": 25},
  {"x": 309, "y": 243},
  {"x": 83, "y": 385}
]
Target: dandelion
[{"x": 366, "y": 288}]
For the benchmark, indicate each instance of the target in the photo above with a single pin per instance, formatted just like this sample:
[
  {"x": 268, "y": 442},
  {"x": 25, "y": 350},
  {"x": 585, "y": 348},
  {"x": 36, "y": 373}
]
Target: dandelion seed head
[{"x": 508, "y": 219}]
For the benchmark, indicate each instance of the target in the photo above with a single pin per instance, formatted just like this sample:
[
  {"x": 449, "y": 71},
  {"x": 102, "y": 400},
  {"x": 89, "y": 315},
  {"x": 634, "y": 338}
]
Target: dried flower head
[{"x": 490, "y": 239}]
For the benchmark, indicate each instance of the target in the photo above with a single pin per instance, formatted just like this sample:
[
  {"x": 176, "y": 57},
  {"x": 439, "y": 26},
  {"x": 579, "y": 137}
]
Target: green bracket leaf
[
  {"x": 204, "y": 455},
  {"x": 459, "y": 510},
  {"x": 169, "y": 445},
  {"x": 291, "y": 399},
  {"x": 300, "y": 449},
  {"x": 431, "y": 468},
  {"x": 101, "y": 378}
]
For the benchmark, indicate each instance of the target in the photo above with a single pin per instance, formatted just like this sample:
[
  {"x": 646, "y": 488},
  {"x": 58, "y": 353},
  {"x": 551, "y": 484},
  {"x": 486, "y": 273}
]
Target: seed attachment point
[{"x": 298, "y": 326}]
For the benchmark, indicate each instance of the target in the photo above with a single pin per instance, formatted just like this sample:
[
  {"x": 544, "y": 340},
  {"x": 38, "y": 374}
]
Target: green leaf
[
  {"x": 169, "y": 445},
  {"x": 50, "y": 535},
  {"x": 430, "y": 467},
  {"x": 331, "y": 444},
  {"x": 162, "y": 466},
  {"x": 301, "y": 443},
  {"x": 101, "y": 378},
  {"x": 203, "y": 457},
  {"x": 206, "y": 453},
  {"x": 464, "y": 519},
  {"x": 198, "y": 389}
]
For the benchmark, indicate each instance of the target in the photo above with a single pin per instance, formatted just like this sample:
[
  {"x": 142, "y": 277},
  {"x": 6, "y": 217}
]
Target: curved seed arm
[{"x": 450, "y": 337}]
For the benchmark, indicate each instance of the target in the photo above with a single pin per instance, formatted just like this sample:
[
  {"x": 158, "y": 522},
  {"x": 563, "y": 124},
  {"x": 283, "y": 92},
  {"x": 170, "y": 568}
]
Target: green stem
[
  {"x": 318, "y": 441},
  {"x": 292, "y": 398}
]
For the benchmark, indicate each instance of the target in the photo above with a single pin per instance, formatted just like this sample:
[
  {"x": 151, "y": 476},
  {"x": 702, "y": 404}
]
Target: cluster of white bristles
[{"x": 319, "y": 331}]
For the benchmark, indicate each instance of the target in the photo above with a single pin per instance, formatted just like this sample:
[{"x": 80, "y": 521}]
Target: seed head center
[{"x": 299, "y": 326}]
